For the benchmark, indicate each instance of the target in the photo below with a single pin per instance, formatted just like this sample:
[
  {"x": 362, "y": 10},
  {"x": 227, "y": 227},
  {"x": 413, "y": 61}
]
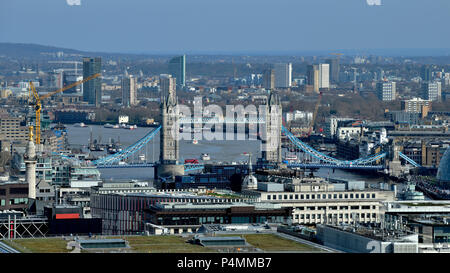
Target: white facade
[
  {"x": 296, "y": 115},
  {"x": 432, "y": 91},
  {"x": 348, "y": 132},
  {"x": 324, "y": 76},
  {"x": 386, "y": 91},
  {"x": 283, "y": 75},
  {"x": 129, "y": 86},
  {"x": 123, "y": 119}
]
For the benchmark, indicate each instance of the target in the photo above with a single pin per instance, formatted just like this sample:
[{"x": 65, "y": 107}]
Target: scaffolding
[{"x": 23, "y": 227}]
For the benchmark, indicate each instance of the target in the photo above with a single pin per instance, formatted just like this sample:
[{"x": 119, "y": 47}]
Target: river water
[{"x": 218, "y": 150}]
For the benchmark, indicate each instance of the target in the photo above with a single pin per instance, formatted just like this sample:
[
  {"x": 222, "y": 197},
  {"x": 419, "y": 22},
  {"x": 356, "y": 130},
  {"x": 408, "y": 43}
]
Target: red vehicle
[{"x": 191, "y": 161}]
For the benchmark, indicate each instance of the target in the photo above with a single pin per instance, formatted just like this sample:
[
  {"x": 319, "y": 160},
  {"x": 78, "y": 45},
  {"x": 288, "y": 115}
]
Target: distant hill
[{"x": 16, "y": 50}]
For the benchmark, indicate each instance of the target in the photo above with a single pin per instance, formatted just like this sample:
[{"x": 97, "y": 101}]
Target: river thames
[{"x": 220, "y": 151}]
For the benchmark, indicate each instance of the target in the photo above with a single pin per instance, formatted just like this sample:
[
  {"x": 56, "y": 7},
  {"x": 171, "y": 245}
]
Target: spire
[{"x": 249, "y": 164}]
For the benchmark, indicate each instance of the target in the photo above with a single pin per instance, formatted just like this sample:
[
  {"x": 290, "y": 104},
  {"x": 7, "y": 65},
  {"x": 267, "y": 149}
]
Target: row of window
[
  {"x": 330, "y": 216},
  {"x": 321, "y": 196},
  {"x": 14, "y": 201},
  {"x": 336, "y": 208}
]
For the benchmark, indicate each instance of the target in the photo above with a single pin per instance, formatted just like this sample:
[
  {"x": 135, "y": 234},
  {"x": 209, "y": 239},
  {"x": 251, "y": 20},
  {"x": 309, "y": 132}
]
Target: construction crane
[
  {"x": 38, "y": 106},
  {"x": 316, "y": 109}
]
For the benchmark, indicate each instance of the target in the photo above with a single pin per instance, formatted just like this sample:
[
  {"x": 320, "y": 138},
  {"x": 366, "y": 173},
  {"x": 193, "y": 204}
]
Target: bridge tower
[
  {"x": 169, "y": 141},
  {"x": 271, "y": 140}
]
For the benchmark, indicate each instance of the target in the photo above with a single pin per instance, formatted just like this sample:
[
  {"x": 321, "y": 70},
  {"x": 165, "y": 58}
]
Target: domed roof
[
  {"x": 443, "y": 174},
  {"x": 250, "y": 182}
]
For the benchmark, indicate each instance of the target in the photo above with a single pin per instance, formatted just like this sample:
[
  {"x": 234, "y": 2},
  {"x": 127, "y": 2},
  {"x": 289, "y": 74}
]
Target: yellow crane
[{"x": 38, "y": 105}]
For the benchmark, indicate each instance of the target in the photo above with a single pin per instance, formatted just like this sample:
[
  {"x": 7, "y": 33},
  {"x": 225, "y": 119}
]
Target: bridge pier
[{"x": 168, "y": 170}]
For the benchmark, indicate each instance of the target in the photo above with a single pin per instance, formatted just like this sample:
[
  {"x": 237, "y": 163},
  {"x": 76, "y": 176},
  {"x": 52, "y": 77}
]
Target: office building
[
  {"x": 177, "y": 68},
  {"x": 426, "y": 73},
  {"x": 269, "y": 79},
  {"x": 167, "y": 85},
  {"x": 416, "y": 105},
  {"x": 432, "y": 91},
  {"x": 129, "y": 91},
  {"x": 386, "y": 91},
  {"x": 283, "y": 75},
  {"x": 334, "y": 70},
  {"x": 11, "y": 128},
  {"x": 324, "y": 76},
  {"x": 92, "y": 90},
  {"x": 313, "y": 77}
]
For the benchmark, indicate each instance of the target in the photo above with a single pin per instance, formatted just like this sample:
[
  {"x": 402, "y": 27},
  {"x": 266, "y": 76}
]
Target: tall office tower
[
  {"x": 432, "y": 91},
  {"x": 334, "y": 70},
  {"x": 92, "y": 90},
  {"x": 129, "y": 91},
  {"x": 283, "y": 75},
  {"x": 312, "y": 75},
  {"x": 167, "y": 85},
  {"x": 269, "y": 79},
  {"x": 324, "y": 76},
  {"x": 177, "y": 68},
  {"x": 386, "y": 91},
  {"x": 426, "y": 73}
]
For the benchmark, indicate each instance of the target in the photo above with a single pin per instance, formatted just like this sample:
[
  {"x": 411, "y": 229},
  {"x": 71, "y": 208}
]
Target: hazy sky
[{"x": 208, "y": 26}]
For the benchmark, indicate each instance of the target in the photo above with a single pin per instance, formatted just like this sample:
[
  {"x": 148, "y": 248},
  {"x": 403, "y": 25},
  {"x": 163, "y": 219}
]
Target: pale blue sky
[{"x": 208, "y": 26}]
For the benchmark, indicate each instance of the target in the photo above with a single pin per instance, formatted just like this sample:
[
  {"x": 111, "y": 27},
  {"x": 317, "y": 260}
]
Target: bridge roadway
[{"x": 190, "y": 167}]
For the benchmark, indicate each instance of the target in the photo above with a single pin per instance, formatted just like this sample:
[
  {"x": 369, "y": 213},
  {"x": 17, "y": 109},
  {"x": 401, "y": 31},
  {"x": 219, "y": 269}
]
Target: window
[
  {"x": 302, "y": 197},
  {"x": 334, "y": 196},
  {"x": 268, "y": 197},
  {"x": 285, "y": 197},
  {"x": 313, "y": 196},
  {"x": 340, "y": 196},
  {"x": 274, "y": 197},
  {"x": 346, "y": 196},
  {"x": 296, "y": 196},
  {"x": 291, "y": 196},
  {"x": 373, "y": 195},
  {"x": 354, "y": 207},
  {"x": 307, "y": 196},
  {"x": 324, "y": 196},
  {"x": 351, "y": 195},
  {"x": 357, "y": 196}
]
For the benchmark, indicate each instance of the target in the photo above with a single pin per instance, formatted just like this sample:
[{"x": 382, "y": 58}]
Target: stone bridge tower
[{"x": 271, "y": 140}]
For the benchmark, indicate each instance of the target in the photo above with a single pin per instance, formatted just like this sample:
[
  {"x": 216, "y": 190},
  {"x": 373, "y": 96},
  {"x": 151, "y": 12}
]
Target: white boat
[
  {"x": 194, "y": 141},
  {"x": 205, "y": 157},
  {"x": 107, "y": 125},
  {"x": 82, "y": 125},
  {"x": 142, "y": 157}
]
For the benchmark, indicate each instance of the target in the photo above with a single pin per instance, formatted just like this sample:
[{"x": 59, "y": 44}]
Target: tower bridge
[{"x": 270, "y": 119}]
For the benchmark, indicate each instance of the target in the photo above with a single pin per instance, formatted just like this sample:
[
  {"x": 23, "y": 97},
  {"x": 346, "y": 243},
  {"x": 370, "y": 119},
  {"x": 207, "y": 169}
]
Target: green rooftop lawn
[
  {"x": 163, "y": 244},
  {"x": 272, "y": 242},
  {"x": 41, "y": 245}
]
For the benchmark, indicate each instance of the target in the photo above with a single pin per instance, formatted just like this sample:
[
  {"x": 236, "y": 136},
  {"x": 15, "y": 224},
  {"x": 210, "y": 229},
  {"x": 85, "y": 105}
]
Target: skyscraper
[
  {"x": 129, "y": 91},
  {"x": 312, "y": 74},
  {"x": 432, "y": 91},
  {"x": 177, "y": 68},
  {"x": 92, "y": 90},
  {"x": 426, "y": 73},
  {"x": 167, "y": 85},
  {"x": 386, "y": 91},
  {"x": 334, "y": 69},
  {"x": 283, "y": 75},
  {"x": 324, "y": 76},
  {"x": 269, "y": 79}
]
